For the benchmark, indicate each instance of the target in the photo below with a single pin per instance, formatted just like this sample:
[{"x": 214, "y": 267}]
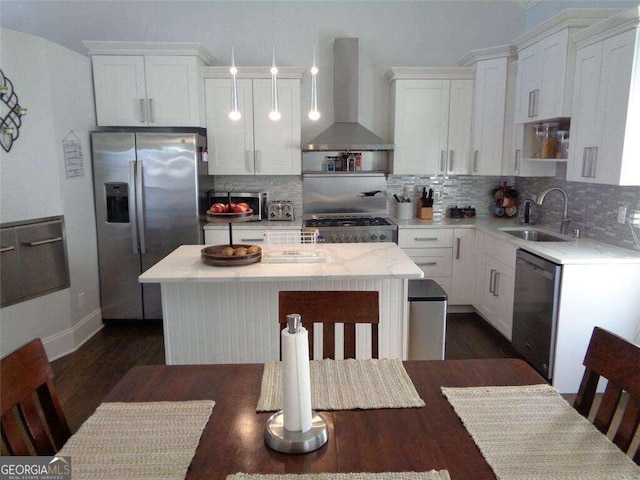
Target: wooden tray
[
  {"x": 213, "y": 256},
  {"x": 229, "y": 217}
]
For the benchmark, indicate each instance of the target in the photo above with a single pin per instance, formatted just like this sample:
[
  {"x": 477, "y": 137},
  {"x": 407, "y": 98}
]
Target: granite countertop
[
  {"x": 573, "y": 251},
  {"x": 358, "y": 261}
]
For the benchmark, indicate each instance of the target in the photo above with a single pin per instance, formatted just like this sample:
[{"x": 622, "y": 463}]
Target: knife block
[{"x": 425, "y": 213}]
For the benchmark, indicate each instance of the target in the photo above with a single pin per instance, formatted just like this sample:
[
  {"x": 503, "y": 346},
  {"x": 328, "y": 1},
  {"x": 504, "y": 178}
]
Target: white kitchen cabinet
[
  {"x": 604, "y": 128},
  {"x": 489, "y": 107},
  {"x": 546, "y": 58},
  {"x": 496, "y": 282},
  {"x": 464, "y": 267},
  {"x": 253, "y": 145},
  {"x": 250, "y": 236},
  {"x": 148, "y": 83},
  {"x": 431, "y": 120}
]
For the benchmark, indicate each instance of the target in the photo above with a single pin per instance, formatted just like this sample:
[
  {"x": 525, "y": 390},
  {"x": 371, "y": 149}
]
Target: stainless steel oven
[{"x": 535, "y": 310}]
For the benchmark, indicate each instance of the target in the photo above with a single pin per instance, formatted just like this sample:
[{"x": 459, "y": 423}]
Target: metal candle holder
[{"x": 10, "y": 114}]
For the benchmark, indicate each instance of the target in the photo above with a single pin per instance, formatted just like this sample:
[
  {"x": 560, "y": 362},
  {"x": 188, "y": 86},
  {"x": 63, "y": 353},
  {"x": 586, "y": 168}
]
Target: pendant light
[
  {"x": 274, "y": 113},
  {"x": 314, "y": 114},
  {"x": 234, "y": 113}
]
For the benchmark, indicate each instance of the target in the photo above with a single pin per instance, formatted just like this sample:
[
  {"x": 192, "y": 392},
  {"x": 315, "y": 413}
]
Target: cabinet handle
[
  {"x": 252, "y": 239},
  {"x": 442, "y": 161},
  {"x": 451, "y": 160},
  {"x": 7, "y": 249},
  {"x": 143, "y": 111},
  {"x": 425, "y": 239},
  {"x": 475, "y": 161},
  {"x": 427, "y": 264},
  {"x": 496, "y": 285},
  {"x": 517, "y": 161},
  {"x": 536, "y": 96},
  {"x": 43, "y": 242},
  {"x": 152, "y": 117},
  {"x": 491, "y": 280},
  {"x": 594, "y": 162},
  {"x": 530, "y": 109},
  {"x": 584, "y": 162},
  {"x": 258, "y": 161},
  {"x": 248, "y": 162},
  {"x": 458, "y": 241}
]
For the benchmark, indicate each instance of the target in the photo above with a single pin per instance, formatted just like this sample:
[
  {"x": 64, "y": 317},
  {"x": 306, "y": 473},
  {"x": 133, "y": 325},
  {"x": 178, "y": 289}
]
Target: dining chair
[
  {"x": 617, "y": 360},
  {"x": 30, "y": 426},
  {"x": 330, "y": 308}
]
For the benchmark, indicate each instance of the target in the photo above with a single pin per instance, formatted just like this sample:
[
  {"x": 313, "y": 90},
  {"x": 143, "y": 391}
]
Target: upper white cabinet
[
  {"x": 546, "y": 59},
  {"x": 605, "y": 124},
  {"x": 254, "y": 144},
  {"x": 489, "y": 107},
  {"x": 431, "y": 119},
  {"x": 148, "y": 84}
]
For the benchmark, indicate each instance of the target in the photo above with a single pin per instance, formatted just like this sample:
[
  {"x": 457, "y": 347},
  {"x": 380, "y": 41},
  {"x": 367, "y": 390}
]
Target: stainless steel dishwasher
[{"x": 535, "y": 310}]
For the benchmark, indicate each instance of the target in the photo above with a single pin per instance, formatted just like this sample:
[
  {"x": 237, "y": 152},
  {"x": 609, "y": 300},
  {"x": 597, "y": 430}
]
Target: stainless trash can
[{"x": 427, "y": 320}]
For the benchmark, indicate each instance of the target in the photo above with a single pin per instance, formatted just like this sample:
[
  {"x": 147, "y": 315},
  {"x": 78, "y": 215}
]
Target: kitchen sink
[{"x": 533, "y": 235}]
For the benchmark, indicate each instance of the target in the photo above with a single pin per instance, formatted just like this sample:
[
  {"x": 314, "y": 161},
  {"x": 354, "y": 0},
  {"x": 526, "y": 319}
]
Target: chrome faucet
[{"x": 565, "y": 219}]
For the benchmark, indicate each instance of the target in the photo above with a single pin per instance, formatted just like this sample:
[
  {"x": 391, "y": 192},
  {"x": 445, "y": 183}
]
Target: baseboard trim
[
  {"x": 70, "y": 340},
  {"x": 461, "y": 309}
]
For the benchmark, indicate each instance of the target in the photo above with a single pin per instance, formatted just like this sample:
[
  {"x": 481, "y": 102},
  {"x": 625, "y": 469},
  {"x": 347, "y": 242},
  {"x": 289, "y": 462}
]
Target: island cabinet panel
[{"x": 237, "y": 322}]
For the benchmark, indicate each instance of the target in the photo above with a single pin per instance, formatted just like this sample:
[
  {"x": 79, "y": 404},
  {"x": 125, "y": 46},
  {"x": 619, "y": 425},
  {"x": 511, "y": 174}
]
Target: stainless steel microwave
[{"x": 255, "y": 200}]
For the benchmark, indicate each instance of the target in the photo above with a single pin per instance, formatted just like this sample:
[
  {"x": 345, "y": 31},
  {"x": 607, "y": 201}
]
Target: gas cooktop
[{"x": 347, "y": 221}]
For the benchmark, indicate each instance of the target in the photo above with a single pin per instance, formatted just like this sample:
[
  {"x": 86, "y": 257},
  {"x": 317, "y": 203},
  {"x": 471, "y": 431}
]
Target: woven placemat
[
  {"x": 432, "y": 475},
  {"x": 140, "y": 441},
  {"x": 346, "y": 385},
  {"x": 532, "y": 433}
]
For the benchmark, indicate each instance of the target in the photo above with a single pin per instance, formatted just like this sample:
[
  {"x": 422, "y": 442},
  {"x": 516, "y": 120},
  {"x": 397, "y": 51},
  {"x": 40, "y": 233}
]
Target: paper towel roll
[{"x": 296, "y": 381}]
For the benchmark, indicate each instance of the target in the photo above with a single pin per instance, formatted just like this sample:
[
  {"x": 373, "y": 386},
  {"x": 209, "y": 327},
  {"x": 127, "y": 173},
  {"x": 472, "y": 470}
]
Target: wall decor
[
  {"x": 10, "y": 113},
  {"x": 72, "y": 148}
]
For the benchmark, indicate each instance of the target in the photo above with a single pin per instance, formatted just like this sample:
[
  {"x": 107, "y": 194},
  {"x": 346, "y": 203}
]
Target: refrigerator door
[
  {"x": 118, "y": 252},
  {"x": 168, "y": 215}
]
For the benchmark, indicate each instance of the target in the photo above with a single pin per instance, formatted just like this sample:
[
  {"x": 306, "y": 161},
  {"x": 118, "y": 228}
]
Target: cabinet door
[
  {"x": 486, "y": 300},
  {"x": 529, "y": 82},
  {"x": 553, "y": 68},
  {"x": 230, "y": 143},
  {"x": 464, "y": 266},
  {"x": 613, "y": 107},
  {"x": 503, "y": 288},
  {"x": 585, "y": 131},
  {"x": 459, "y": 134},
  {"x": 421, "y": 123},
  {"x": 277, "y": 143},
  {"x": 119, "y": 84},
  {"x": 488, "y": 116},
  {"x": 172, "y": 91}
]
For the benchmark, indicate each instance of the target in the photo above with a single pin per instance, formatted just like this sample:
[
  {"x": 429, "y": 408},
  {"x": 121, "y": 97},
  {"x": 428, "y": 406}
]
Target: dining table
[{"x": 377, "y": 440}]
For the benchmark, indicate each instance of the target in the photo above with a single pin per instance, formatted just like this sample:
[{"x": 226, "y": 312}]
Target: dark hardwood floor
[{"x": 84, "y": 377}]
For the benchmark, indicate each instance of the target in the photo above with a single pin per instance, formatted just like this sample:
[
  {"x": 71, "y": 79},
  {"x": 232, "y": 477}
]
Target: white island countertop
[{"x": 353, "y": 261}]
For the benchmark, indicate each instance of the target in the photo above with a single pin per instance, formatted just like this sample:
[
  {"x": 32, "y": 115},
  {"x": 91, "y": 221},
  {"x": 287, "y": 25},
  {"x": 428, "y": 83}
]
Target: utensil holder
[
  {"x": 405, "y": 210},
  {"x": 425, "y": 213}
]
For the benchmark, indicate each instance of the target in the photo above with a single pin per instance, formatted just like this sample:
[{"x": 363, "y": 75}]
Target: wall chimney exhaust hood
[{"x": 346, "y": 133}]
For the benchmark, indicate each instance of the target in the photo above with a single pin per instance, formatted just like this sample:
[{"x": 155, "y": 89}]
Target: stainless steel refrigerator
[{"x": 150, "y": 190}]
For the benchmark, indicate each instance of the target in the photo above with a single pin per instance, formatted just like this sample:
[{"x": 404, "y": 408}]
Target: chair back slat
[
  {"x": 30, "y": 427},
  {"x": 329, "y": 308},
  {"x": 617, "y": 360}
]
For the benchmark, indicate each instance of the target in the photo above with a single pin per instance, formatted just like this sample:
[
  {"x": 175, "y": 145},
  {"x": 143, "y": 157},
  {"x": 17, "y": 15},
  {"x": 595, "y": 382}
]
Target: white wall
[{"x": 55, "y": 86}]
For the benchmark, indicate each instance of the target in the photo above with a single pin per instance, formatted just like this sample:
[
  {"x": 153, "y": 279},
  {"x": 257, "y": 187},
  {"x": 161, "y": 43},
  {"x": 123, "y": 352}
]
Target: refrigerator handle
[
  {"x": 132, "y": 208},
  {"x": 139, "y": 206}
]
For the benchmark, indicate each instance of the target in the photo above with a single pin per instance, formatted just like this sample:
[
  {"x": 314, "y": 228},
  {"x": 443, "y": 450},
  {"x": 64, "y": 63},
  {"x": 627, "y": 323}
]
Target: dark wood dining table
[{"x": 384, "y": 440}]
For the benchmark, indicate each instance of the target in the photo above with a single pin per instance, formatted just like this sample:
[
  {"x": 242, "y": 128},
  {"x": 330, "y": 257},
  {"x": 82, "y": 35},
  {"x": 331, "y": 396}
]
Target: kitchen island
[{"x": 217, "y": 314}]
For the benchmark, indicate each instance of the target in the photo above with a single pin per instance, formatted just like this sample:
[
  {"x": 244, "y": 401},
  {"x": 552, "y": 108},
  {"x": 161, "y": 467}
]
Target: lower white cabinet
[
  {"x": 496, "y": 282},
  {"x": 463, "y": 267},
  {"x": 251, "y": 236}
]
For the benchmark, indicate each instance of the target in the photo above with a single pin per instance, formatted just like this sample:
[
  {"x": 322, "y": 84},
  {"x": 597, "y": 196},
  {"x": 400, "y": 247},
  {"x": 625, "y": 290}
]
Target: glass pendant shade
[
  {"x": 314, "y": 114},
  {"x": 234, "y": 112},
  {"x": 274, "y": 114}
]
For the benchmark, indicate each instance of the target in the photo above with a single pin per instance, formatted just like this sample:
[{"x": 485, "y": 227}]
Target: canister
[{"x": 549, "y": 140}]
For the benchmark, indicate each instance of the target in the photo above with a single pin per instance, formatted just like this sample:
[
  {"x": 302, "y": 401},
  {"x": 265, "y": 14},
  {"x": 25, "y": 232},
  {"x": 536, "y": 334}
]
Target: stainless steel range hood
[{"x": 346, "y": 133}]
